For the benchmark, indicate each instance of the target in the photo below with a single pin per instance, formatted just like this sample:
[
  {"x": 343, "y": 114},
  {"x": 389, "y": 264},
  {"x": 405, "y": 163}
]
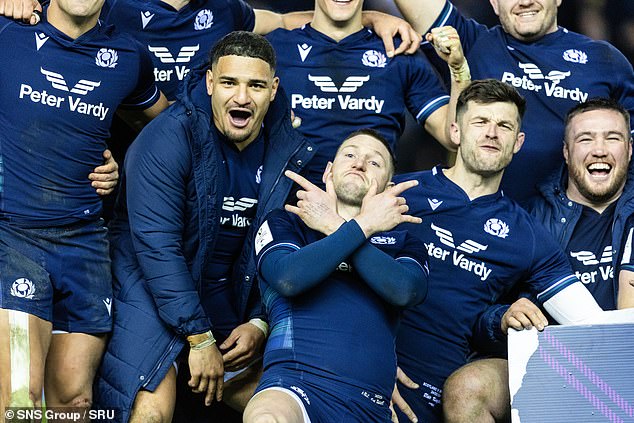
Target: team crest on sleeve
[
  {"x": 576, "y": 56},
  {"x": 23, "y": 288},
  {"x": 107, "y": 58},
  {"x": 496, "y": 227},
  {"x": 204, "y": 20},
  {"x": 374, "y": 59},
  {"x": 263, "y": 237}
]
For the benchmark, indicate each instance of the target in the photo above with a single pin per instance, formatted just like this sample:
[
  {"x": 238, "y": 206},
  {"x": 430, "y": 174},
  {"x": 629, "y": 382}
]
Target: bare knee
[
  {"x": 148, "y": 414},
  {"x": 476, "y": 392}
]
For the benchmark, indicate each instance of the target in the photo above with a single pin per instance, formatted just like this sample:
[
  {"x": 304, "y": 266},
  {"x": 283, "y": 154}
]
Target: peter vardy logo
[
  {"x": 204, "y": 20},
  {"x": 589, "y": 259},
  {"x": 304, "y": 49},
  {"x": 374, "y": 59},
  {"x": 75, "y": 104},
  {"x": 601, "y": 269},
  {"x": 534, "y": 79},
  {"x": 231, "y": 205},
  {"x": 575, "y": 56},
  {"x": 350, "y": 85},
  {"x": 185, "y": 54},
  {"x": 146, "y": 17},
  {"x": 82, "y": 87},
  {"x": 345, "y": 102},
  {"x": 106, "y": 58},
  {"x": 23, "y": 288},
  {"x": 457, "y": 258},
  {"x": 497, "y": 228}
]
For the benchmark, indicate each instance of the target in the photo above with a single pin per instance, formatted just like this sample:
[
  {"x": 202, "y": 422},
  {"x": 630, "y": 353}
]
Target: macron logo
[
  {"x": 40, "y": 39},
  {"x": 146, "y": 17},
  {"x": 304, "y": 49},
  {"x": 57, "y": 81},
  {"x": 433, "y": 203},
  {"x": 184, "y": 55},
  {"x": 108, "y": 303},
  {"x": 350, "y": 85}
]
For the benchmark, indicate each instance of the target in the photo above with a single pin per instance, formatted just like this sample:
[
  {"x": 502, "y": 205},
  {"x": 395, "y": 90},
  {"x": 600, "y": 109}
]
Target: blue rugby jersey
[
  {"x": 477, "y": 251},
  {"x": 178, "y": 40},
  {"x": 340, "y": 87},
  {"x": 243, "y": 171},
  {"x": 339, "y": 329},
  {"x": 59, "y": 96},
  {"x": 554, "y": 74}
]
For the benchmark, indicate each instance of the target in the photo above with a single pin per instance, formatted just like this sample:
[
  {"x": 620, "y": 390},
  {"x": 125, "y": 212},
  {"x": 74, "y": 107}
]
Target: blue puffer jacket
[
  {"x": 164, "y": 232},
  {"x": 559, "y": 215}
]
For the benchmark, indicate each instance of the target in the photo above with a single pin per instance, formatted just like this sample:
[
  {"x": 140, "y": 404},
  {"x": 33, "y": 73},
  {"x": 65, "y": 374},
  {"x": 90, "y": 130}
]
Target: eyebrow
[{"x": 235, "y": 79}]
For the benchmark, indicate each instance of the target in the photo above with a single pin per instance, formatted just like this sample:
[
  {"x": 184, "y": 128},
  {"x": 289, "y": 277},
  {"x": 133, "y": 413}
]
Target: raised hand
[
  {"x": 317, "y": 208},
  {"x": 384, "y": 211}
]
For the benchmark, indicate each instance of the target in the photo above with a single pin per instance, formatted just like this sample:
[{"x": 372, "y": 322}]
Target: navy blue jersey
[
  {"x": 340, "y": 87},
  {"x": 626, "y": 261},
  {"x": 243, "y": 170},
  {"x": 590, "y": 253},
  {"x": 478, "y": 249},
  {"x": 554, "y": 74},
  {"x": 178, "y": 40},
  {"x": 58, "y": 98},
  {"x": 339, "y": 329}
]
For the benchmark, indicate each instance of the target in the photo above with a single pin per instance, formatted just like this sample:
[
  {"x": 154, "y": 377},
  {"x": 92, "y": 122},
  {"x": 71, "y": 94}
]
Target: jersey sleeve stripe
[
  {"x": 285, "y": 245},
  {"x": 144, "y": 104},
  {"x": 556, "y": 287},
  {"x": 423, "y": 267},
  {"x": 444, "y": 15},
  {"x": 431, "y": 107}
]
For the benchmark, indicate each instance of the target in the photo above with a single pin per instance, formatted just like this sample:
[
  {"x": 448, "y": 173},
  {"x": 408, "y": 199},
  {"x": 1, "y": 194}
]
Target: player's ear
[
  {"x": 328, "y": 169},
  {"x": 494, "y": 4},
  {"x": 276, "y": 83},
  {"x": 454, "y": 134},
  {"x": 209, "y": 81},
  {"x": 519, "y": 142}
]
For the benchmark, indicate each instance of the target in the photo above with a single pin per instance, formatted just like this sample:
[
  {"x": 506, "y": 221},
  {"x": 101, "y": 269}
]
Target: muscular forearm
[
  {"x": 421, "y": 14},
  {"x": 400, "y": 283},
  {"x": 292, "y": 272}
]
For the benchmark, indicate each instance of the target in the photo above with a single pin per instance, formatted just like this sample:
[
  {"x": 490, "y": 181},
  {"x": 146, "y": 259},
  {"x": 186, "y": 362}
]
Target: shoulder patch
[{"x": 263, "y": 237}]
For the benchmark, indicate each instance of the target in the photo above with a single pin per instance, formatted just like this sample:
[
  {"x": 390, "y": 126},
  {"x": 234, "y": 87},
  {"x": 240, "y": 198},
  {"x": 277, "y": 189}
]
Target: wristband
[
  {"x": 463, "y": 74},
  {"x": 201, "y": 340},
  {"x": 262, "y": 325}
]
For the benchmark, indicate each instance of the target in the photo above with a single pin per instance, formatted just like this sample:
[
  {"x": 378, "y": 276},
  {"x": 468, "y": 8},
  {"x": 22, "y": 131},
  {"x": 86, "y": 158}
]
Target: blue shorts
[
  {"x": 61, "y": 275},
  {"x": 327, "y": 400}
]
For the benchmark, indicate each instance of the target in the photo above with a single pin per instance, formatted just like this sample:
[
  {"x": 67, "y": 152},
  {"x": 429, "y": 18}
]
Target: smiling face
[
  {"x": 527, "y": 20},
  {"x": 241, "y": 90},
  {"x": 360, "y": 160},
  {"x": 597, "y": 150},
  {"x": 488, "y": 135},
  {"x": 338, "y": 11}
]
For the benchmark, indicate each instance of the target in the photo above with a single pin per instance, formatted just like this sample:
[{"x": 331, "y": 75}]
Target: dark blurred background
[{"x": 611, "y": 20}]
